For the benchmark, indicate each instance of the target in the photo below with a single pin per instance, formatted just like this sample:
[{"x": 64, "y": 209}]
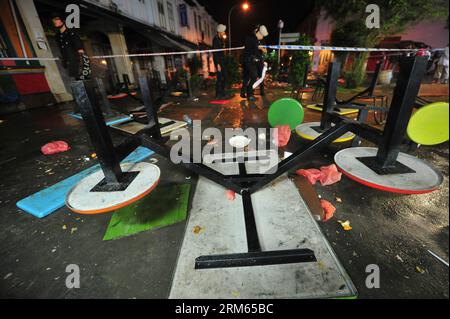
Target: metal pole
[
  {"x": 279, "y": 50},
  {"x": 98, "y": 131},
  {"x": 280, "y": 26},
  {"x": 411, "y": 74},
  {"x": 229, "y": 25},
  {"x": 330, "y": 94}
]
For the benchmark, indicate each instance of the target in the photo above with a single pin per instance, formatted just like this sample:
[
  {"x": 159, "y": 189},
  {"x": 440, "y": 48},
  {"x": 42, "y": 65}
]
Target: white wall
[
  {"x": 146, "y": 11},
  {"x": 36, "y": 32},
  {"x": 430, "y": 32}
]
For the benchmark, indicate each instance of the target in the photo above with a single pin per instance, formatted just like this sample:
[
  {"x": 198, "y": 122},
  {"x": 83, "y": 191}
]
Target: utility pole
[{"x": 280, "y": 26}]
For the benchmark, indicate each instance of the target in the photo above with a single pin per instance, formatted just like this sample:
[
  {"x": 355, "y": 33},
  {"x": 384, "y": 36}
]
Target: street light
[
  {"x": 245, "y": 7},
  {"x": 280, "y": 26}
]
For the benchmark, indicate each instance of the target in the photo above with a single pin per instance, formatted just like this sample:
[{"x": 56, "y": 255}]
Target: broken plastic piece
[
  {"x": 282, "y": 135},
  {"x": 328, "y": 208},
  {"x": 330, "y": 175},
  {"x": 231, "y": 195},
  {"x": 55, "y": 147},
  {"x": 312, "y": 174},
  {"x": 345, "y": 225}
]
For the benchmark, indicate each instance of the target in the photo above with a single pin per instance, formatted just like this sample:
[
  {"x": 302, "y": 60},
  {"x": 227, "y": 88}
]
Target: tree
[
  {"x": 232, "y": 66},
  {"x": 299, "y": 63},
  {"x": 395, "y": 16}
]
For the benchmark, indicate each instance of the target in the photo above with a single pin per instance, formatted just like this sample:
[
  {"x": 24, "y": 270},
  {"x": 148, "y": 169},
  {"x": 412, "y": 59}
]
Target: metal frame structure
[
  {"x": 380, "y": 111},
  {"x": 389, "y": 140}
]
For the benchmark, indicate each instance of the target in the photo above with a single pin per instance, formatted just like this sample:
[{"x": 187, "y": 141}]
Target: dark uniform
[
  {"x": 260, "y": 71},
  {"x": 219, "y": 59},
  {"x": 251, "y": 59},
  {"x": 78, "y": 65}
]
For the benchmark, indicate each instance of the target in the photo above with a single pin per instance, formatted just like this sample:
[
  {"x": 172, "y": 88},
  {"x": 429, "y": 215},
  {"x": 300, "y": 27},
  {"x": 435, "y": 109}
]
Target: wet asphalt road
[{"x": 389, "y": 230}]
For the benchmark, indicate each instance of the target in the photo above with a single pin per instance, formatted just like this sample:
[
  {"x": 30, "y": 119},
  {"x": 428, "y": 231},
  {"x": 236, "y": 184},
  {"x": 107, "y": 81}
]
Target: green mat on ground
[{"x": 165, "y": 206}]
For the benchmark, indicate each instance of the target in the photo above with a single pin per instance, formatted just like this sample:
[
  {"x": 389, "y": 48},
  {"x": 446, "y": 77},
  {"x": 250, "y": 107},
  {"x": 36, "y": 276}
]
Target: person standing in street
[
  {"x": 441, "y": 73},
  {"x": 251, "y": 59},
  {"x": 219, "y": 62}
]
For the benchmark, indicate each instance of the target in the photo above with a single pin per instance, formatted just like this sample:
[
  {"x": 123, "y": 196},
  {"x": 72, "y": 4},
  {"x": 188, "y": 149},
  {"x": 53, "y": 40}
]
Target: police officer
[
  {"x": 74, "y": 58},
  {"x": 219, "y": 62},
  {"x": 251, "y": 59}
]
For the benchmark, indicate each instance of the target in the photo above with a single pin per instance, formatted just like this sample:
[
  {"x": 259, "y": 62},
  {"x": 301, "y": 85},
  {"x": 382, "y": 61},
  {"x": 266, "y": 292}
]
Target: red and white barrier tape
[{"x": 274, "y": 47}]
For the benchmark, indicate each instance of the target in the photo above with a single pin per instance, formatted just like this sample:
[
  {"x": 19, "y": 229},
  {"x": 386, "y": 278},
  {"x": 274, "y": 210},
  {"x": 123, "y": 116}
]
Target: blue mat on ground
[
  {"x": 109, "y": 123},
  {"x": 49, "y": 200}
]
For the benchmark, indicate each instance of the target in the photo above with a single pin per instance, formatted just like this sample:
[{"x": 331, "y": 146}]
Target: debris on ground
[
  {"x": 64, "y": 227},
  {"x": 197, "y": 230},
  {"x": 74, "y": 229},
  {"x": 231, "y": 195},
  {"x": 312, "y": 174},
  {"x": 94, "y": 155},
  {"x": 338, "y": 200},
  {"x": 282, "y": 135},
  {"x": 399, "y": 258},
  {"x": 330, "y": 175},
  {"x": 345, "y": 225},
  {"x": 328, "y": 208},
  {"x": 55, "y": 147},
  {"x": 8, "y": 275},
  {"x": 420, "y": 270},
  {"x": 327, "y": 175}
]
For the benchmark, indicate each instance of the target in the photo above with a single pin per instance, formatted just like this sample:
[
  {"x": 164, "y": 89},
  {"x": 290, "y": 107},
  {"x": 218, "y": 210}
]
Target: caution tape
[
  {"x": 273, "y": 47},
  {"x": 129, "y": 55},
  {"x": 163, "y": 53},
  {"x": 329, "y": 48}
]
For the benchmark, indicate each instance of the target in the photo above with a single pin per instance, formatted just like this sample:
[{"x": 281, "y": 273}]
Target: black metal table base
[
  {"x": 388, "y": 141},
  {"x": 396, "y": 168},
  {"x": 260, "y": 258}
]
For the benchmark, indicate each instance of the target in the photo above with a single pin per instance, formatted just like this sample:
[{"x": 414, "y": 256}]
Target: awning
[{"x": 178, "y": 44}]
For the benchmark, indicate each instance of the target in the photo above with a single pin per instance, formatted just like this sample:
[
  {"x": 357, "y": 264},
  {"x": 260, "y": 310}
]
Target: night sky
[{"x": 267, "y": 12}]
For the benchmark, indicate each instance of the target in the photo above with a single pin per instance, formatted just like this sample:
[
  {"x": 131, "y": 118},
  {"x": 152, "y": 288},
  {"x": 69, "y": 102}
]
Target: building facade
[{"x": 107, "y": 27}]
